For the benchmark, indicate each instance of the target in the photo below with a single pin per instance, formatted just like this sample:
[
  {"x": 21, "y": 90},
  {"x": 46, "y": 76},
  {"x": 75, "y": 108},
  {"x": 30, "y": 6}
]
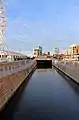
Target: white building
[
  {"x": 10, "y": 56},
  {"x": 56, "y": 51}
]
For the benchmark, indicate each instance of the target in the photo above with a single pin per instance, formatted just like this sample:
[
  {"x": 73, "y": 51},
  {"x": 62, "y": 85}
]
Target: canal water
[{"x": 47, "y": 96}]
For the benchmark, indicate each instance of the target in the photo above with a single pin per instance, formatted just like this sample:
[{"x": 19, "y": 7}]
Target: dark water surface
[{"x": 47, "y": 96}]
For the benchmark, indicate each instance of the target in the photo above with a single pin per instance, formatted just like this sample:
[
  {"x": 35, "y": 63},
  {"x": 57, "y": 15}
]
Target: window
[
  {"x": 2, "y": 56},
  {"x": 77, "y": 51}
]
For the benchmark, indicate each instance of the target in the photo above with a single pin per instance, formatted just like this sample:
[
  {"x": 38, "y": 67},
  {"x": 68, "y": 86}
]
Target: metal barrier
[
  {"x": 70, "y": 68},
  {"x": 13, "y": 67}
]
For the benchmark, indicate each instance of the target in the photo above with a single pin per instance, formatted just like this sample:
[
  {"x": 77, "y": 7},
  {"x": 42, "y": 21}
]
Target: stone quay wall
[
  {"x": 69, "y": 68},
  {"x": 12, "y": 75}
]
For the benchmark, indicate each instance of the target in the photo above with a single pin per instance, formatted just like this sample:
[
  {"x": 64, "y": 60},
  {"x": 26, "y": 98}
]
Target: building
[
  {"x": 11, "y": 56},
  {"x": 72, "y": 53},
  {"x": 37, "y": 51},
  {"x": 56, "y": 51},
  {"x": 48, "y": 53},
  {"x": 40, "y": 50}
]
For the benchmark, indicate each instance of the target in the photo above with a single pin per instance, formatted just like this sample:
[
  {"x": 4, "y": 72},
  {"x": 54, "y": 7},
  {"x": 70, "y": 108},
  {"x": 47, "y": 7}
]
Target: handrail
[{"x": 13, "y": 67}]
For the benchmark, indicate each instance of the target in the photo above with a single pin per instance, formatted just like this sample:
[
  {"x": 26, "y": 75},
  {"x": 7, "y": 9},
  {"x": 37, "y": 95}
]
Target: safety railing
[
  {"x": 71, "y": 68},
  {"x": 13, "y": 67}
]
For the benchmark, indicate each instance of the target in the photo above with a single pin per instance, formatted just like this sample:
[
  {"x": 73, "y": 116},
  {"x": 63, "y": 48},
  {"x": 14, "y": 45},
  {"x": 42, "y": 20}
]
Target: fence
[
  {"x": 70, "y": 68},
  {"x": 8, "y": 68}
]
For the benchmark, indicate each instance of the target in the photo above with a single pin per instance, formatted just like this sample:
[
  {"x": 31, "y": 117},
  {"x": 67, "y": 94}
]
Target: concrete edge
[{"x": 67, "y": 75}]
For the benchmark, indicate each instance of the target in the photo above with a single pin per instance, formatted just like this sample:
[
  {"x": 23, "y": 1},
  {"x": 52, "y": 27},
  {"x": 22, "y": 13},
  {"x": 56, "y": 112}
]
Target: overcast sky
[{"x": 49, "y": 23}]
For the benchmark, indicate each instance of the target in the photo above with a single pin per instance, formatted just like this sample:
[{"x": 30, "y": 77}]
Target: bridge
[
  {"x": 43, "y": 58},
  {"x": 44, "y": 61}
]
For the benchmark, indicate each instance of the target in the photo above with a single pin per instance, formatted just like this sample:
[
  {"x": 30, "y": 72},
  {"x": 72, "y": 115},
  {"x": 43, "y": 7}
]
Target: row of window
[{"x": 5, "y": 56}]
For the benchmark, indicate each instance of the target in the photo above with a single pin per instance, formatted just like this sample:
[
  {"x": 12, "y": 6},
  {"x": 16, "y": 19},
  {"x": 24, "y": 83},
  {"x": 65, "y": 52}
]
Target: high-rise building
[
  {"x": 40, "y": 50},
  {"x": 72, "y": 52},
  {"x": 56, "y": 51}
]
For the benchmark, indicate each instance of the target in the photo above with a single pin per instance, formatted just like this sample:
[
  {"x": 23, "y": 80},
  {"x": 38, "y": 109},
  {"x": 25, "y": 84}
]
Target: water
[{"x": 47, "y": 96}]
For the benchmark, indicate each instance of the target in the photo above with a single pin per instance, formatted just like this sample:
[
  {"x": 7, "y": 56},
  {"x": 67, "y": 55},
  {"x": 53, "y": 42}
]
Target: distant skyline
[{"x": 48, "y": 23}]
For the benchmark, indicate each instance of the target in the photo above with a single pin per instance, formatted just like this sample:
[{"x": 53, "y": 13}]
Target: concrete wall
[
  {"x": 71, "y": 69},
  {"x": 13, "y": 75}
]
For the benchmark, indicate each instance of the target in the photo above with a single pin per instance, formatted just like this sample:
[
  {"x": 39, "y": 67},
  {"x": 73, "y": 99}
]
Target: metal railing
[
  {"x": 14, "y": 67},
  {"x": 71, "y": 68}
]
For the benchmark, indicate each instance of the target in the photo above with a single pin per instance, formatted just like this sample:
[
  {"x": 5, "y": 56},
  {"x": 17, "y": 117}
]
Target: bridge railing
[
  {"x": 71, "y": 68},
  {"x": 13, "y": 67}
]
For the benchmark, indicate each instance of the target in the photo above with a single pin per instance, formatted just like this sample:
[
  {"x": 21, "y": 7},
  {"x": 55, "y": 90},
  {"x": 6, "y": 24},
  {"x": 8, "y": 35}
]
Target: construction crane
[{"x": 2, "y": 24}]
